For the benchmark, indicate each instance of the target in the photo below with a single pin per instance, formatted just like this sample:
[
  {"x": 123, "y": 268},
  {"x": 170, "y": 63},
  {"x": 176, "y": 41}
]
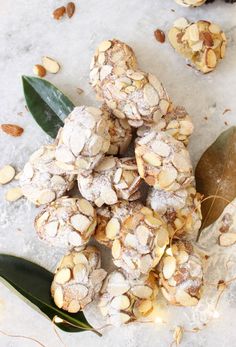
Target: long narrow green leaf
[
  {"x": 34, "y": 282},
  {"x": 47, "y": 104}
]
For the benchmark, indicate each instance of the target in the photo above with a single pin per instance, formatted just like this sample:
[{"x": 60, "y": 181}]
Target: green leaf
[
  {"x": 34, "y": 282},
  {"x": 47, "y": 104},
  {"x": 216, "y": 176}
]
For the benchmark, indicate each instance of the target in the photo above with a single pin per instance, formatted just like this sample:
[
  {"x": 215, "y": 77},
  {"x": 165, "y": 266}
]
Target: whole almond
[
  {"x": 39, "y": 70},
  {"x": 159, "y": 35},
  {"x": 207, "y": 39},
  {"x": 59, "y": 12},
  {"x": 12, "y": 129},
  {"x": 70, "y": 9},
  {"x": 50, "y": 64}
]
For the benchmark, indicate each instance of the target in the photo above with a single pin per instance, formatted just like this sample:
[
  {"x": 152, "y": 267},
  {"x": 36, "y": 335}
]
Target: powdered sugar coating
[
  {"x": 124, "y": 300},
  {"x": 66, "y": 223},
  {"x": 111, "y": 180},
  {"x": 110, "y": 219},
  {"x": 83, "y": 140},
  {"x": 176, "y": 123},
  {"x": 78, "y": 279},
  {"x": 162, "y": 161},
  {"x": 180, "y": 209},
  {"x": 112, "y": 57},
  {"x": 181, "y": 274},
  {"x": 141, "y": 243},
  {"x": 41, "y": 180}
]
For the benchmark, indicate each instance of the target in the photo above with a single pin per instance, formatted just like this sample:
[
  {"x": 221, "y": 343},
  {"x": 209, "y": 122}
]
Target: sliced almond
[
  {"x": 81, "y": 291},
  {"x": 7, "y": 173},
  {"x": 112, "y": 228},
  {"x": 185, "y": 299},
  {"x": 161, "y": 148},
  {"x": 75, "y": 239},
  {"x": 121, "y": 302},
  {"x": 107, "y": 164},
  {"x": 63, "y": 276},
  {"x": 80, "y": 258},
  {"x": 80, "y": 222},
  {"x": 12, "y": 129},
  {"x": 74, "y": 306},
  {"x": 39, "y": 70},
  {"x": 162, "y": 237},
  {"x": 104, "y": 46},
  {"x": 214, "y": 28},
  {"x": 167, "y": 177},
  {"x": 70, "y": 9},
  {"x": 51, "y": 228},
  {"x": 85, "y": 207},
  {"x": 145, "y": 306},
  {"x": 152, "y": 159},
  {"x": 142, "y": 291},
  {"x": 193, "y": 32},
  {"x": 142, "y": 234},
  {"x": 13, "y": 194},
  {"x": 181, "y": 23},
  {"x": 211, "y": 59},
  {"x": 227, "y": 239},
  {"x": 50, "y": 64},
  {"x": 79, "y": 272},
  {"x": 169, "y": 267},
  {"x": 152, "y": 221},
  {"x": 58, "y": 297},
  {"x": 116, "y": 249},
  {"x": 109, "y": 196},
  {"x": 117, "y": 284},
  {"x": 222, "y": 50},
  {"x": 178, "y": 335},
  {"x": 46, "y": 196},
  {"x": 150, "y": 95}
]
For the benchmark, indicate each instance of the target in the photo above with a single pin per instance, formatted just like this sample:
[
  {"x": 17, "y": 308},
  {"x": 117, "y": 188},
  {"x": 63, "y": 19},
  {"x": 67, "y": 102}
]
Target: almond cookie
[
  {"x": 163, "y": 162},
  {"x": 135, "y": 95},
  {"x": 111, "y": 180},
  {"x": 112, "y": 57},
  {"x": 181, "y": 274},
  {"x": 141, "y": 243},
  {"x": 121, "y": 135},
  {"x": 190, "y": 3},
  {"x": 110, "y": 219},
  {"x": 181, "y": 210},
  {"x": 78, "y": 279},
  {"x": 84, "y": 139},
  {"x": 66, "y": 222},
  {"x": 124, "y": 300},
  {"x": 176, "y": 123},
  {"x": 203, "y": 43},
  {"x": 41, "y": 180}
]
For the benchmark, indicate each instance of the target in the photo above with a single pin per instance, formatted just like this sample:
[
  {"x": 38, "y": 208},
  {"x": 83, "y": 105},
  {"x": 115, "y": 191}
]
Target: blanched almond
[
  {"x": 63, "y": 276},
  {"x": 13, "y": 194},
  {"x": 112, "y": 228},
  {"x": 169, "y": 267},
  {"x": 211, "y": 58},
  {"x": 116, "y": 249},
  {"x": 50, "y": 64},
  {"x": 227, "y": 239},
  {"x": 7, "y": 174}
]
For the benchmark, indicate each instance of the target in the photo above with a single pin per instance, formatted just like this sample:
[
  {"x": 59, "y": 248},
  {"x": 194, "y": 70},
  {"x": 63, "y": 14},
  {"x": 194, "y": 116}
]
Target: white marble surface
[{"x": 28, "y": 32}]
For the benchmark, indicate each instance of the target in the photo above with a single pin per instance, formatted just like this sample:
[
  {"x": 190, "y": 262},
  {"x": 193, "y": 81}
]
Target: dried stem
[{"x": 23, "y": 337}]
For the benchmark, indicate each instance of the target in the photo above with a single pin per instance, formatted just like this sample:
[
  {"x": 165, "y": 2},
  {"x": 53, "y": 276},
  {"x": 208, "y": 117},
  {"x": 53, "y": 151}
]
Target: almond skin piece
[
  {"x": 39, "y": 70},
  {"x": 59, "y": 12},
  {"x": 70, "y": 9},
  {"x": 160, "y": 36},
  {"x": 12, "y": 129}
]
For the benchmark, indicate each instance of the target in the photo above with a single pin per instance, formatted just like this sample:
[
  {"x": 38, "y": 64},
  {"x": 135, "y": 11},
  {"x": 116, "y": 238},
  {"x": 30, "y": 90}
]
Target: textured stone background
[{"x": 28, "y": 32}]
